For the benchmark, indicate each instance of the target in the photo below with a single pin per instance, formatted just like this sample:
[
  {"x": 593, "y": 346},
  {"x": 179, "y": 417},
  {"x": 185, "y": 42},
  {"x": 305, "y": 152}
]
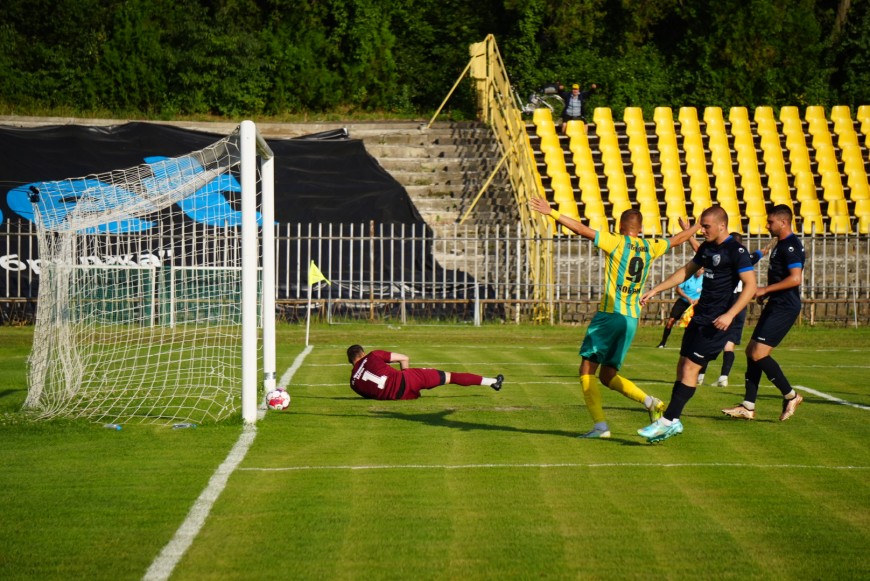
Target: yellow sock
[
  {"x": 592, "y": 395},
  {"x": 627, "y": 388}
]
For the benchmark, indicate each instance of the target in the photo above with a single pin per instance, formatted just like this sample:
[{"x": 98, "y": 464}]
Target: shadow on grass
[{"x": 440, "y": 419}]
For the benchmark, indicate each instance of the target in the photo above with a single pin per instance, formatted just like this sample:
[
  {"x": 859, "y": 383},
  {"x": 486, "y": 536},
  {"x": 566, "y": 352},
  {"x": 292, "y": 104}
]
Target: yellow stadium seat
[
  {"x": 575, "y": 127},
  {"x": 652, "y": 218},
  {"x": 838, "y": 216},
  {"x": 862, "y": 213},
  {"x": 858, "y": 188},
  {"x": 789, "y": 112},
  {"x": 645, "y": 186},
  {"x": 841, "y": 112},
  {"x": 832, "y": 186},
  {"x": 805, "y": 186},
  {"x": 688, "y": 115},
  {"x": 816, "y": 112},
  {"x": 640, "y": 157},
  {"x": 634, "y": 114},
  {"x": 738, "y": 115},
  {"x": 663, "y": 115},
  {"x": 542, "y": 115},
  {"x": 798, "y": 159},
  {"x": 578, "y": 143},
  {"x": 713, "y": 118},
  {"x": 603, "y": 118},
  {"x": 811, "y": 217}
]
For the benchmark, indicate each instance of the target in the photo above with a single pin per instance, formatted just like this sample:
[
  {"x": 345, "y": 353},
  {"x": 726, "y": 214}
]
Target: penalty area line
[
  {"x": 171, "y": 554},
  {"x": 552, "y": 465}
]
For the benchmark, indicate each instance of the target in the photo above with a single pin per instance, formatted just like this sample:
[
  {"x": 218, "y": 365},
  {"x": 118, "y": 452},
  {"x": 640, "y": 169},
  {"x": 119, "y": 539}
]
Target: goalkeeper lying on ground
[{"x": 373, "y": 376}]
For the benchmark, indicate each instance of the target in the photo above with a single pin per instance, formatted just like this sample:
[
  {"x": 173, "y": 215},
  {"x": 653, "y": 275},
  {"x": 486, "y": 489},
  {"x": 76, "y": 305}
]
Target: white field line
[
  {"x": 553, "y": 465},
  {"x": 161, "y": 568},
  {"x": 826, "y": 396}
]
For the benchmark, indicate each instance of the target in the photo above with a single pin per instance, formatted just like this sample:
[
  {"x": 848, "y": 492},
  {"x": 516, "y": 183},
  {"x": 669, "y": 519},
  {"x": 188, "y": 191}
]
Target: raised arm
[
  {"x": 692, "y": 240},
  {"x": 541, "y": 205},
  {"x": 687, "y": 234}
]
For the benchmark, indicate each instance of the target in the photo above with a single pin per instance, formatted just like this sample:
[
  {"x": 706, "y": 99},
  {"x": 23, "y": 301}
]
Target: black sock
[
  {"x": 665, "y": 335},
  {"x": 753, "y": 376},
  {"x": 680, "y": 396},
  {"x": 727, "y": 362},
  {"x": 774, "y": 373},
  {"x": 704, "y": 368}
]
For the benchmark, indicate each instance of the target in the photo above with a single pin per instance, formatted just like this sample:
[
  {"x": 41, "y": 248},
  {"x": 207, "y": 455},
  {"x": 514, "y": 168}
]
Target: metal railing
[{"x": 470, "y": 273}]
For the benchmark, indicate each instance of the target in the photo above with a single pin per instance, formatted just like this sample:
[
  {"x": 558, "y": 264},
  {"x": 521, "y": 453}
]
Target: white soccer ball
[{"x": 278, "y": 399}]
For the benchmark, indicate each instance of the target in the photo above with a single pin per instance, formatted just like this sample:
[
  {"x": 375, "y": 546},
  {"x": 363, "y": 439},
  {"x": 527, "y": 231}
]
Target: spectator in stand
[{"x": 574, "y": 101}]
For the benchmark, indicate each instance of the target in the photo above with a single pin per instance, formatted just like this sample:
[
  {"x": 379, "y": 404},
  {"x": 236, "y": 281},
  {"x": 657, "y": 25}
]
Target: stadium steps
[{"x": 442, "y": 167}]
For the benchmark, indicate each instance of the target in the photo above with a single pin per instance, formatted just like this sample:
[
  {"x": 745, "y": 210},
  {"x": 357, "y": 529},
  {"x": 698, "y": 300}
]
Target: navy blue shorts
[
  {"x": 774, "y": 324},
  {"x": 703, "y": 343}
]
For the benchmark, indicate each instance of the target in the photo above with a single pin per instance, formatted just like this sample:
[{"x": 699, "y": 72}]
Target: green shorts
[{"x": 608, "y": 338}]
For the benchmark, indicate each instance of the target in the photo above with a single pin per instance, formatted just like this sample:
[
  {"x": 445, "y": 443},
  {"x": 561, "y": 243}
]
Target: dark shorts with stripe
[
  {"x": 419, "y": 378},
  {"x": 703, "y": 343},
  {"x": 774, "y": 324}
]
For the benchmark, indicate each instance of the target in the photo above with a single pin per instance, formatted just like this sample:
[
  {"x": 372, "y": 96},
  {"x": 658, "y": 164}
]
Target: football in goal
[{"x": 156, "y": 288}]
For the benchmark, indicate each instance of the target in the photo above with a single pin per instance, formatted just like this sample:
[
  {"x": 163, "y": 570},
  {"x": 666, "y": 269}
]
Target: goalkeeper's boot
[
  {"x": 656, "y": 409},
  {"x": 789, "y": 406},
  {"x": 740, "y": 411},
  {"x": 658, "y": 431},
  {"x": 596, "y": 433},
  {"x": 498, "y": 381}
]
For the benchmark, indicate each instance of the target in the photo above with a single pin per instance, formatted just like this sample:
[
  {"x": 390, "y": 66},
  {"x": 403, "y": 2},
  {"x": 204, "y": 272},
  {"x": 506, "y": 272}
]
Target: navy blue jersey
[
  {"x": 723, "y": 264},
  {"x": 787, "y": 254}
]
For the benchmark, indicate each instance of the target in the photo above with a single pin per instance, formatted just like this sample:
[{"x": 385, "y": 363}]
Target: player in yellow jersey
[{"x": 612, "y": 329}]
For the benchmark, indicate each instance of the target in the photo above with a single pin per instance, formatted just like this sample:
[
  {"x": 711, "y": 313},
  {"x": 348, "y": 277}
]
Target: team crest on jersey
[{"x": 716, "y": 259}]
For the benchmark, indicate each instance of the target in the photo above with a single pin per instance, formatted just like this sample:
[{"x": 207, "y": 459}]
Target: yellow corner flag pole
[{"x": 314, "y": 277}]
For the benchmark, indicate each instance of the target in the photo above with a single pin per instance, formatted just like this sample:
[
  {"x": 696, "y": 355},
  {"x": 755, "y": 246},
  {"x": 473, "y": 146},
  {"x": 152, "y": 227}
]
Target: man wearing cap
[{"x": 574, "y": 103}]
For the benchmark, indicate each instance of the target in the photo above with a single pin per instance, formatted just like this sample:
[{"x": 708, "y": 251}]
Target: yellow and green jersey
[{"x": 628, "y": 264}]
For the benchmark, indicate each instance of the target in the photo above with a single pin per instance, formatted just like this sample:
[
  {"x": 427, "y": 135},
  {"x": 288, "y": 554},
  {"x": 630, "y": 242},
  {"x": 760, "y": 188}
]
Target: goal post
[{"x": 157, "y": 288}]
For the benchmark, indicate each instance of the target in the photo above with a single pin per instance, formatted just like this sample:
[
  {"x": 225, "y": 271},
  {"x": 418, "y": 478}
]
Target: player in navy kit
[
  {"x": 782, "y": 293},
  {"x": 725, "y": 262},
  {"x": 374, "y": 377}
]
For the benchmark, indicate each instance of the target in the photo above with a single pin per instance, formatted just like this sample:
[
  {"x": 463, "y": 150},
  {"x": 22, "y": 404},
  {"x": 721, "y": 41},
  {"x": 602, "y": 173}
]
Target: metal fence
[
  {"x": 470, "y": 273},
  {"x": 489, "y": 264}
]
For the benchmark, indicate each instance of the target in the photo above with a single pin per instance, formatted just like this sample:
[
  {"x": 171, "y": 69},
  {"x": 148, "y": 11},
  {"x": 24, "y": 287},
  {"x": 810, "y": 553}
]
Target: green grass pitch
[{"x": 465, "y": 483}]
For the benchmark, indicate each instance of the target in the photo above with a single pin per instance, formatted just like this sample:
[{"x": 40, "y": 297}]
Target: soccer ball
[{"x": 278, "y": 399}]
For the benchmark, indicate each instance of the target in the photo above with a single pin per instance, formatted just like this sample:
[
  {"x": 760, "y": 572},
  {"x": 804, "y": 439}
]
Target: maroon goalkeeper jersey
[{"x": 374, "y": 378}]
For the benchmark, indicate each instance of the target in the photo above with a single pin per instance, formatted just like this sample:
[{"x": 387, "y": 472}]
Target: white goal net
[{"x": 155, "y": 284}]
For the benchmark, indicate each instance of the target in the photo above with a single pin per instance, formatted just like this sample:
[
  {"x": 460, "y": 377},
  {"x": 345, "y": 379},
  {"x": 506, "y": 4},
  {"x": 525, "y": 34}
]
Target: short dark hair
[
  {"x": 717, "y": 213},
  {"x": 354, "y": 352},
  {"x": 781, "y": 210},
  {"x": 631, "y": 216}
]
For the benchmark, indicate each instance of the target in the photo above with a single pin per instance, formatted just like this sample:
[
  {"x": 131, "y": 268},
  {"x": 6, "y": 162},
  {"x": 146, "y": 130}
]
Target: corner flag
[{"x": 314, "y": 275}]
